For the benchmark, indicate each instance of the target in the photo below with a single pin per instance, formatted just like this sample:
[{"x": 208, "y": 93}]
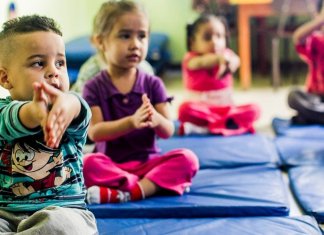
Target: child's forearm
[
  {"x": 161, "y": 121},
  {"x": 65, "y": 107},
  {"x": 166, "y": 127},
  {"x": 75, "y": 105},
  {"x": 109, "y": 130},
  {"x": 30, "y": 116},
  {"x": 306, "y": 29},
  {"x": 206, "y": 61}
]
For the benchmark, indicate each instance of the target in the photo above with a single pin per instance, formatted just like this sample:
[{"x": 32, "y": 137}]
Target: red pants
[
  {"x": 223, "y": 120},
  {"x": 172, "y": 171}
]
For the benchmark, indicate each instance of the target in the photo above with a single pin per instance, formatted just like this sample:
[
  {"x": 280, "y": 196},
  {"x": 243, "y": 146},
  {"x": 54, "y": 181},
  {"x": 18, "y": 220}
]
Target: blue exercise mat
[
  {"x": 220, "y": 152},
  {"x": 244, "y": 191},
  {"x": 308, "y": 187},
  {"x": 301, "y": 225},
  {"x": 283, "y": 127},
  {"x": 300, "y": 151}
]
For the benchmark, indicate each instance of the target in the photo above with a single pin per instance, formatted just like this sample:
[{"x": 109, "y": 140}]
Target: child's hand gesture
[
  {"x": 230, "y": 65},
  {"x": 143, "y": 116},
  {"x": 223, "y": 68},
  {"x": 153, "y": 119},
  {"x": 39, "y": 104},
  {"x": 158, "y": 118},
  {"x": 62, "y": 109}
]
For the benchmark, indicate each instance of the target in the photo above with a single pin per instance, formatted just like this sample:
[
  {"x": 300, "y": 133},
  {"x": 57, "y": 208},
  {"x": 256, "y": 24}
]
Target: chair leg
[{"x": 275, "y": 62}]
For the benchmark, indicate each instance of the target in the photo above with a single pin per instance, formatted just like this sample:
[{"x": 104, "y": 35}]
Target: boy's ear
[{"x": 4, "y": 82}]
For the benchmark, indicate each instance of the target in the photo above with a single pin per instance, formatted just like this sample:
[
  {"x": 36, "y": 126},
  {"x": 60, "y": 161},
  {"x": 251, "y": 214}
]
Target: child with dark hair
[
  {"x": 208, "y": 69},
  {"x": 43, "y": 129}
]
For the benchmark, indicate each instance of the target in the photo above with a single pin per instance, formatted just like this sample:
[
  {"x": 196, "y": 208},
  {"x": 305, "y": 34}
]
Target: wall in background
[
  {"x": 171, "y": 17},
  {"x": 75, "y": 17}
]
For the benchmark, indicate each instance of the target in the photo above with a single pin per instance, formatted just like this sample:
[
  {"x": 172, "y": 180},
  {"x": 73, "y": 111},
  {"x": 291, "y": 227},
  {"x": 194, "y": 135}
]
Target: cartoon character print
[{"x": 43, "y": 165}]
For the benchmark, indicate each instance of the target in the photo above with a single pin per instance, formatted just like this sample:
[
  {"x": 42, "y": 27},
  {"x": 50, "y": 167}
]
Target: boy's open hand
[
  {"x": 40, "y": 103},
  {"x": 62, "y": 109}
]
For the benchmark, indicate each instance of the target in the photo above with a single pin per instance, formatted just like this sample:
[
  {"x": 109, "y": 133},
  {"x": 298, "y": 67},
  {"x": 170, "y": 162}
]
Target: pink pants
[
  {"x": 172, "y": 171},
  {"x": 216, "y": 118}
]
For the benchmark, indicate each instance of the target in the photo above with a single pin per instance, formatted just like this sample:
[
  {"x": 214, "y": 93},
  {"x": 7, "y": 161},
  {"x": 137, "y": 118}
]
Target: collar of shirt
[{"x": 111, "y": 89}]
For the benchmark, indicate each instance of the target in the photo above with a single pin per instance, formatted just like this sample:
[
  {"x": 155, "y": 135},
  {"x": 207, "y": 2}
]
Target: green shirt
[{"x": 34, "y": 176}]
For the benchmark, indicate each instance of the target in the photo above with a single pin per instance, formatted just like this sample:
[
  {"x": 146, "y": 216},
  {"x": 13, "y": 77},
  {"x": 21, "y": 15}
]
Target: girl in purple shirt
[{"x": 129, "y": 109}]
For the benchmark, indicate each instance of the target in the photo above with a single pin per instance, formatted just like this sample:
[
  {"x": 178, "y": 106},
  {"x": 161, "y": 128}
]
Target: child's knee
[
  {"x": 190, "y": 159},
  {"x": 93, "y": 159}
]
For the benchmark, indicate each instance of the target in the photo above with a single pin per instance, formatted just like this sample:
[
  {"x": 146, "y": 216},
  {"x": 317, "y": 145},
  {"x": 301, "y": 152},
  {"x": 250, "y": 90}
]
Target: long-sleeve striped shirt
[{"x": 32, "y": 175}]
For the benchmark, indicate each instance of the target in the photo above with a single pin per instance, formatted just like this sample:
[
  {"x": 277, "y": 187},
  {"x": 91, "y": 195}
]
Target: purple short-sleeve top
[{"x": 137, "y": 145}]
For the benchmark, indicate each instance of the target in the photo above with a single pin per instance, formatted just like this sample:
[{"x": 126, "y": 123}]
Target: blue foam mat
[
  {"x": 308, "y": 187},
  {"x": 244, "y": 191},
  {"x": 210, "y": 226},
  {"x": 220, "y": 152},
  {"x": 283, "y": 127},
  {"x": 300, "y": 151}
]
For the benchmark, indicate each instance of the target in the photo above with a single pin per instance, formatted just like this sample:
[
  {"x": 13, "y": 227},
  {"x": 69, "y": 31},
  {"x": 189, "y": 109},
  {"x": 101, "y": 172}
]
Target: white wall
[
  {"x": 3, "y": 10},
  {"x": 74, "y": 16}
]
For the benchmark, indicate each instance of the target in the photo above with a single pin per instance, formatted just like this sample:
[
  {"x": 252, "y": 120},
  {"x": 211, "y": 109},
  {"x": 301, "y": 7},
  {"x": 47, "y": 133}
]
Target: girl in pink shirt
[{"x": 208, "y": 69}]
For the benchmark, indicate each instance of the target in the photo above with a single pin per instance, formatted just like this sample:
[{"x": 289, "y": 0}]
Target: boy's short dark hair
[
  {"x": 22, "y": 25},
  {"x": 29, "y": 24}
]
